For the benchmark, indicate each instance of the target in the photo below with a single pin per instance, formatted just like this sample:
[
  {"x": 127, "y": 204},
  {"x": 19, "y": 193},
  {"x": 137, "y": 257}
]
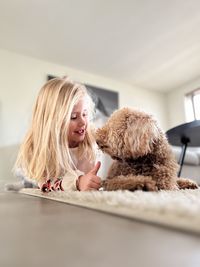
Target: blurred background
[{"x": 148, "y": 52}]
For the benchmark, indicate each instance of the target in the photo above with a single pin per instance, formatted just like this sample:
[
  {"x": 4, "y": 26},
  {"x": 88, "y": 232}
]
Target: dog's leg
[
  {"x": 184, "y": 183},
  {"x": 165, "y": 178},
  {"x": 130, "y": 182}
]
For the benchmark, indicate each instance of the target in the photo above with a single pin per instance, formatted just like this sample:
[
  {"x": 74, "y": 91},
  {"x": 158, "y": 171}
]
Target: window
[{"x": 192, "y": 104}]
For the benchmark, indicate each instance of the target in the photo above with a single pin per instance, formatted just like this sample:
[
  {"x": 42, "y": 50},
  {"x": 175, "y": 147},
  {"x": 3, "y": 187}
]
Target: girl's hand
[{"x": 90, "y": 181}]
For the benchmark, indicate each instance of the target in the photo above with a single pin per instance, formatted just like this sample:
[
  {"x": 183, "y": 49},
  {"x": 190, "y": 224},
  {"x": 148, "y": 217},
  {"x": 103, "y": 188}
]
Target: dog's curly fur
[{"x": 142, "y": 156}]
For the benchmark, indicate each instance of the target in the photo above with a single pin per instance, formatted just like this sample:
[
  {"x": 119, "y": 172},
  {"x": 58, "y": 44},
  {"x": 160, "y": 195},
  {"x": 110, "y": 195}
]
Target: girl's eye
[
  {"x": 73, "y": 117},
  {"x": 76, "y": 116}
]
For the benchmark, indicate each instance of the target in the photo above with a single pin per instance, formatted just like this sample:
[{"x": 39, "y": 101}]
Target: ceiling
[{"x": 153, "y": 44}]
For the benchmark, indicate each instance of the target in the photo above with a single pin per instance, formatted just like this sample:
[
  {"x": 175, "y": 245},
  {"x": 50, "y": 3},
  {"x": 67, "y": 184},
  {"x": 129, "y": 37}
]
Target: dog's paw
[
  {"x": 186, "y": 184},
  {"x": 150, "y": 186},
  {"x": 108, "y": 185},
  {"x": 131, "y": 184}
]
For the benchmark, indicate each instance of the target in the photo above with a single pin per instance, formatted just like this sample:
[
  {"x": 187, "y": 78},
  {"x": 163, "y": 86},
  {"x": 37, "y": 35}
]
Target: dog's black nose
[{"x": 99, "y": 144}]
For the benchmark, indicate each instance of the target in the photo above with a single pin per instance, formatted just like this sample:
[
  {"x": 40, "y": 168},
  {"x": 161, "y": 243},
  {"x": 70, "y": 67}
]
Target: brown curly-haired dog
[{"x": 142, "y": 156}]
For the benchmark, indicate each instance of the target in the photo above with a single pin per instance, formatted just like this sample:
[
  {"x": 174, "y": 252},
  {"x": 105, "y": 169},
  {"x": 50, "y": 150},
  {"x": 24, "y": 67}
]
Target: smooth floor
[{"x": 40, "y": 232}]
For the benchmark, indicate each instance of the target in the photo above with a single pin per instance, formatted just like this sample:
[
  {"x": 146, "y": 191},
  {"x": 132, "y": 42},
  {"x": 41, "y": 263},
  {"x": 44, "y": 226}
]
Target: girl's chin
[{"x": 75, "y": 143}]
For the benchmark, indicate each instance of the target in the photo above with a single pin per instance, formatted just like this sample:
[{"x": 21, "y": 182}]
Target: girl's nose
[{"x": 82, "y": 121}]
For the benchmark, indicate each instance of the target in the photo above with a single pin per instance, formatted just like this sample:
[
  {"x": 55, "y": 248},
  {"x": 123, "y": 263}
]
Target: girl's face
[{"x": 78, "y": 123}]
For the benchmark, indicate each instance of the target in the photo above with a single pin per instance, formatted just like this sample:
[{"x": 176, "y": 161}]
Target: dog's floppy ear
[{"x": 141, "y": 133}]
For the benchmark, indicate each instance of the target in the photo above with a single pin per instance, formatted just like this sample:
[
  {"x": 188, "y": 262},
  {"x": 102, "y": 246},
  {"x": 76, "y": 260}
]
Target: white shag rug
[{"x": 178, "y": 209}]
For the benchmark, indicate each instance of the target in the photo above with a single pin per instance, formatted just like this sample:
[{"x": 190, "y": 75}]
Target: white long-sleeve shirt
[
  {"x": 68, "y": 181},
  {"x": 83, "y": 166}
]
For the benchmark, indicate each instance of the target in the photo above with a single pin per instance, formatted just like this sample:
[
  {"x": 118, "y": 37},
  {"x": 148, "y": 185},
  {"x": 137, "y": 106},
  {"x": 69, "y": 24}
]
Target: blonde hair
[{"x": 44, "y": 153}]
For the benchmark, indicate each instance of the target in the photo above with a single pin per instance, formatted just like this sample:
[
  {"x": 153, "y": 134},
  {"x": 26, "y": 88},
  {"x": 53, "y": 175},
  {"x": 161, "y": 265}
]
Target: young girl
[{"x": 58, "y": 151}]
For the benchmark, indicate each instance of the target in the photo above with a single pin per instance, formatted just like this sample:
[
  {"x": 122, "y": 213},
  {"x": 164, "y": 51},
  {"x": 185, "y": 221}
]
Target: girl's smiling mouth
[{"x": 80, "y": 132}]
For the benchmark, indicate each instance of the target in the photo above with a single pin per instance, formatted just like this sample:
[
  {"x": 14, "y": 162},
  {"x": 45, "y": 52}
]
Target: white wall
[
  {"x": 21, "y": 77},
  {"x": 175, "y": 103}
]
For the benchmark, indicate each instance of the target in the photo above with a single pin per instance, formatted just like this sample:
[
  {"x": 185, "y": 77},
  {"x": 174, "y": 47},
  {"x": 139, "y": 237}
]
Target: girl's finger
[{"x": 94, "y": 185}]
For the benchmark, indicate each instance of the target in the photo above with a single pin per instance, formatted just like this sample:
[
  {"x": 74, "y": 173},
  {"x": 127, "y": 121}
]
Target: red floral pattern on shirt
[{"x": 54, "y": 185}]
